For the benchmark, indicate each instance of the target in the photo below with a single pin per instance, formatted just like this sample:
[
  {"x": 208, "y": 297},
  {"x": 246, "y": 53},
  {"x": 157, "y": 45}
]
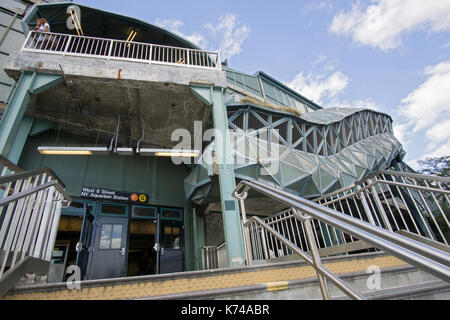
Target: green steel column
[
  {"x": 234, "y": 240},
  {"x": 11, "y": 126},
  {"x": 20, "y": 139},
  {"x": 12, "y": 118}
]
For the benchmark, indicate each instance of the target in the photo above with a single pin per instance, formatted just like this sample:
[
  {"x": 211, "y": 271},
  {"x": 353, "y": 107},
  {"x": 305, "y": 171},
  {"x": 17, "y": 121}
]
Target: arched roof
[{"x": 103, "y": 24}]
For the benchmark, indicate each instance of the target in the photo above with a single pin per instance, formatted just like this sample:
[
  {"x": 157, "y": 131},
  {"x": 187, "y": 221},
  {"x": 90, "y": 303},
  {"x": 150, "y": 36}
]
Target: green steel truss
[{"x": 309, "y": 155}]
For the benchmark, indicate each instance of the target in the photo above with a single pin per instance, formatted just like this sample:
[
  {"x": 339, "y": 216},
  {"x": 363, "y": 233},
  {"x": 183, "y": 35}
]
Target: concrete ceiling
[{"x": 90, "y": 106}]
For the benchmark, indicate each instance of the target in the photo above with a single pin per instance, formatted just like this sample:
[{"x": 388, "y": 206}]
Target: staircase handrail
[
  {"x": 30, "y": 205},
  {"x": 420, "y": 255}
]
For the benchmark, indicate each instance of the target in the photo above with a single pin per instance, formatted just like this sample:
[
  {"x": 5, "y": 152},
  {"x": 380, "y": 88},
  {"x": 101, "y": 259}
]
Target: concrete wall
[{"x": 214, "y": 234}]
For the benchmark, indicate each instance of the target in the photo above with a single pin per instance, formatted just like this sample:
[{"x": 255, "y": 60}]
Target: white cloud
[
  {"x": 227, "y": 33},
  {"x": 430, "y": 102},
  {"x": 367, "y": 103},
  {"x": 427, "y": 109},
  {"x": 318, "y": 87},
  {"x": 382, "y": 23},
  {"x": 175, "y": 25},
  {"x": 232, "y": 32},
  {"x": 318, "y": 6},
  {"x": 437, "y": 134},
  {"x": 170, "y": 24},
  {"x": 401, "y": 132},
  {"x": 321, "y": 58},
  {"x": 442, "y": 150}
]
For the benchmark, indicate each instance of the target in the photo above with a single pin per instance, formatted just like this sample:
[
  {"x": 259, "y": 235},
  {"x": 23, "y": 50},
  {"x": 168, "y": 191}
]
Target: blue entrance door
[
  {"x": 109, "y": 256},
  {"x": 171, "y": 253}
]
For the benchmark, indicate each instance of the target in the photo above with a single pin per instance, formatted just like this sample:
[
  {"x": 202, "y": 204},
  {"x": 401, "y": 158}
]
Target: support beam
[
  {"x": 213, "y": 96},
  {"x": 10, "y": 125},
  {"x": 20, "y": 139},
  {"x": 29, "y": 127},
  {"x": 199, "y": 238},
  {"x": 14, "y": 112},
  {"x": 41, "y": 126}
]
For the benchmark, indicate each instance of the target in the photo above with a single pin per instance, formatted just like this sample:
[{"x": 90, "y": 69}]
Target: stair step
[
  {"x": 393, "y": 281},
  {"x": 431, "y": 290},
  {"x": 265, "y": 276}
]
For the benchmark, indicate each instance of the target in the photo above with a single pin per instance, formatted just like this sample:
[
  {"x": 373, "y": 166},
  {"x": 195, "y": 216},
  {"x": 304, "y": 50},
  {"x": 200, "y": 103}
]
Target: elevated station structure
[{"x": 146, "y": 137}]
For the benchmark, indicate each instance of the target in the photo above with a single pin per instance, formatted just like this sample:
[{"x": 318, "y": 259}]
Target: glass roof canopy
[{"x": 265, "y": 88}]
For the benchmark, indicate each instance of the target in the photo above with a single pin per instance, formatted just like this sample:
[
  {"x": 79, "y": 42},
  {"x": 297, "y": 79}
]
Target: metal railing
[
  {"x": 396, "y": 201},
  {"x": 406, "y": 203},
  {"x": 214, "y": 257},
  {"x": 30, "y": 208},
  {"x": 210, "y": 258},
  {"x": 297, "y": 231},
  {"x": 112, "y": 49}
]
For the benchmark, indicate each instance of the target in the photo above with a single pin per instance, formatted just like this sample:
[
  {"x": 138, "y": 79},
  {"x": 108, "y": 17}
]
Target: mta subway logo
[{"x": 141, "y": 198}]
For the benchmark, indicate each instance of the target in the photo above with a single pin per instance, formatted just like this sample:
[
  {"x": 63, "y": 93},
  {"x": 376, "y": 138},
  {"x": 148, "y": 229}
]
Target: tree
[{"x": 439, "y": 166}]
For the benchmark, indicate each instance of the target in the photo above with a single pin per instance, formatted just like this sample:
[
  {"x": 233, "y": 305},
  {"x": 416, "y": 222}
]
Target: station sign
[{"x": 114, "y": 195}]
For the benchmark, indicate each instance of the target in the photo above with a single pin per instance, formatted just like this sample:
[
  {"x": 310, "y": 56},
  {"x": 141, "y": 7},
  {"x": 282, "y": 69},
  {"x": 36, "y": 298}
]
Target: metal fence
[{"x": 112, "y": 49}]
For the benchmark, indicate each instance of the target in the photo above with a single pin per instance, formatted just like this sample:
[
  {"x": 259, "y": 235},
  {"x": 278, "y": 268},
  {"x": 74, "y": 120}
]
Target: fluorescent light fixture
[
  {"x": 125, "y": 151},
  {"x": 80, "y": 151},
  {"x": 176, "y": 154},
  {"x": 168, "y": 152}
]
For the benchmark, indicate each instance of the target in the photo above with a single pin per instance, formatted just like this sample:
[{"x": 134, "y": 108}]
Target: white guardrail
[{"x": 111, "y": 49}]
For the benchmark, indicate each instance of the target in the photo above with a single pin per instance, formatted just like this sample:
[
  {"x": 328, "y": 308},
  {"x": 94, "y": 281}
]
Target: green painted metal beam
[
  {"x": 11, "y": 124},
  {"x": 41, "y": 126},
  {"x": 203, "y": 93},
  {"x": 29, "y": 127},
  {"x": 14, "y": 112},
  {"x": 213, "y": 96},
  {"x": 42, "y": 82},
  {"x": 20, "y": 139}
]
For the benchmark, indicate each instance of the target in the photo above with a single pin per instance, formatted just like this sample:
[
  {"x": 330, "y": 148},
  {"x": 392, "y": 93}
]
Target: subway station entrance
[{"x": 111, "y": 240}]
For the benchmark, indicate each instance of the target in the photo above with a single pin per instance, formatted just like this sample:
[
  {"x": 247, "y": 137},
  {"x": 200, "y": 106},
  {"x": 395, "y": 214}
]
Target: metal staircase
[{"x": 30, "y": 205}]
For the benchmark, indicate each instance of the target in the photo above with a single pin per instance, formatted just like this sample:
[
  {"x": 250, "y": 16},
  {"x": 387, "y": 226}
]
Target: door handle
[{"x": 122, "y": 251}]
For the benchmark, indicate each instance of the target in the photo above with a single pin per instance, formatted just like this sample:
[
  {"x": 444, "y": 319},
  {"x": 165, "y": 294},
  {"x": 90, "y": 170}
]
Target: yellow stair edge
[{"x": 274, "y": 278}]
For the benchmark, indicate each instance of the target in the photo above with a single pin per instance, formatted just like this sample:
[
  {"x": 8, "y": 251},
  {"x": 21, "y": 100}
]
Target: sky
[{"x": 389, "y": 55}]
